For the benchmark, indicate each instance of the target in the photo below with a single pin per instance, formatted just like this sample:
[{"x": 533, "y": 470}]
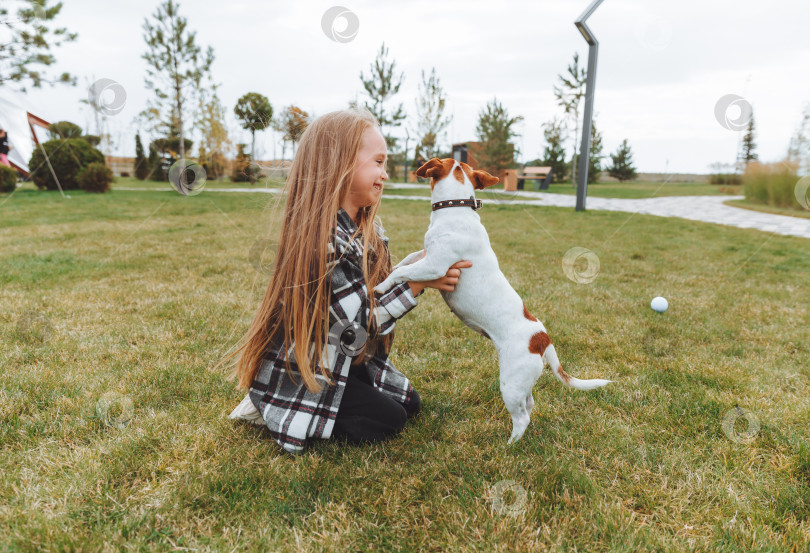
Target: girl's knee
[{"x": 415, "y": 405}]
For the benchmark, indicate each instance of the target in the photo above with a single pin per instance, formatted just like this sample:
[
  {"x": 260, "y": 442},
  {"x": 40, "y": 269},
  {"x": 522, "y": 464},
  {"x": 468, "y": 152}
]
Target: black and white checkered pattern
[{"x": 290, "y": 411}]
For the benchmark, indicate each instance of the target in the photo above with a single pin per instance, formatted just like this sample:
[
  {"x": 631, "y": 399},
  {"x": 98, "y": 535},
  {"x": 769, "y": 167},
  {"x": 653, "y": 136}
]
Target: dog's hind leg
[
  {"x": 515, "y": 401},
  {"x": 529, "y": 402}
]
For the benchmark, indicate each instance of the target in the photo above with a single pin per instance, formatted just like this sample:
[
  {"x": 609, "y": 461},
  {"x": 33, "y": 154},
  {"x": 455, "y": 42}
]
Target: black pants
[{"x": 366, "y": 414}]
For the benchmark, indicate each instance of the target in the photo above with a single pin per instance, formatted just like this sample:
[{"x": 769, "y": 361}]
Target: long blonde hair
[{"x": 298, "y": 296}]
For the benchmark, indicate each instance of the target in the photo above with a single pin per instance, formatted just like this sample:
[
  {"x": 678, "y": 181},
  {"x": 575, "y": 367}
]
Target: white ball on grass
[{"x": 659, "y": 304}]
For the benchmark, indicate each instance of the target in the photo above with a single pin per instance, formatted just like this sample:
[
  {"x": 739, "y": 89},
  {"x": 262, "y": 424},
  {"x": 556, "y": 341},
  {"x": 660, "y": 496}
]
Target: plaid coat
[{"x": 290, "y": 411}]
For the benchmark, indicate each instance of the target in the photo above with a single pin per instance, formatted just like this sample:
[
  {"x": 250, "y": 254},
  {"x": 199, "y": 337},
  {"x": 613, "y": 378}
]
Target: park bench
[{"x": 541, "y": 174}]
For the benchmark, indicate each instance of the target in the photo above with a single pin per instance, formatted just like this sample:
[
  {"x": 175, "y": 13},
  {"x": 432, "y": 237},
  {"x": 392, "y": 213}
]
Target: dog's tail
[{"x": 550, "y": 357}]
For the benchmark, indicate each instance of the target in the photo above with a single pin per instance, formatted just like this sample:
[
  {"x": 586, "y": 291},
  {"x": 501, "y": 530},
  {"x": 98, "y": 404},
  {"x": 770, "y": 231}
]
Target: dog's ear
[
  {"x": 482, "y": 179},
  {"x": 430, "y": 169}
]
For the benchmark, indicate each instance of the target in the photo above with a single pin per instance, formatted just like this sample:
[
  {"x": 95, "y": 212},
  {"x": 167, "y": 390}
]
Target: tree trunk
[{"x": 252, "y": 154}]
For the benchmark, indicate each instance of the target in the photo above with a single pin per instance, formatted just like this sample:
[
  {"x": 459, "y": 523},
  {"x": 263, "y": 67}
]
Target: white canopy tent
[{"x": 19, "y": 124}]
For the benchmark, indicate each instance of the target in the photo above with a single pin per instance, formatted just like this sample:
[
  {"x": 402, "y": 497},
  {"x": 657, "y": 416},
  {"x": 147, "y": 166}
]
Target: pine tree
[
  {"x": 141, "y": 165},
  {"x": 494, "y": 132},
  {"x": 595, "y": 157},
  {"x": 26, "y": 43},
  {"x": 622, "y": 167},
  {"x": 255, "y": 113},
  {"x": 554, "y": 154},
  {"x": 381, "y": 86},
  {"x": 174, "y": 59},
  {"x": 242, "y": 168},
  {"x": 747, "y": 154}
]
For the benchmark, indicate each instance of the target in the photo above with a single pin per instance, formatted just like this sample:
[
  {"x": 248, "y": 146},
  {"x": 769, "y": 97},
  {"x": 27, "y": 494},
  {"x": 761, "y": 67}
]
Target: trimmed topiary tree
[
  {"x": 8, "y": 179},
  {"x": 67, "y": 157},
  {"x": 96, "y": 177},
  {"x": 64, "y": 129}
]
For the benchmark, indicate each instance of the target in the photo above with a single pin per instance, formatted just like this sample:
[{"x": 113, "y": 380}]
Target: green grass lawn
[
  {"x": 748, "y": 204},
  {"x": 139, "y": 294}
]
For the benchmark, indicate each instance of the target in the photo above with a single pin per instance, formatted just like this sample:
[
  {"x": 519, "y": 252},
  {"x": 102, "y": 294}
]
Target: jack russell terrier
[{"x": 483, "y": 298}]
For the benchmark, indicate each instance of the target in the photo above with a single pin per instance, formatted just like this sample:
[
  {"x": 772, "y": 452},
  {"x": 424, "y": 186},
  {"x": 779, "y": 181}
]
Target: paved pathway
[{"x": 709, "y": 209}]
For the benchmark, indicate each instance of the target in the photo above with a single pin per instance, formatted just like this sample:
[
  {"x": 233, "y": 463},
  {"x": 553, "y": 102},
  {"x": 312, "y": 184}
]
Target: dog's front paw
[{"x": 383, "y": 287}]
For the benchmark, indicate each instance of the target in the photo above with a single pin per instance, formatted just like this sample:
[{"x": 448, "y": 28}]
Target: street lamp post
[{"x": 590, "y": 84}]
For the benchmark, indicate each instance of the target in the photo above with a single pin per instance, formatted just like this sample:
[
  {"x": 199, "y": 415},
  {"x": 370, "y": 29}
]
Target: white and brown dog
[{"x": 482, "y": 298}]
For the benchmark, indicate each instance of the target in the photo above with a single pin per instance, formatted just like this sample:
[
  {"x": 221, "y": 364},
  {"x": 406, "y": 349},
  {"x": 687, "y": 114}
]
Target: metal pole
[{"x": 590, "y": 85}]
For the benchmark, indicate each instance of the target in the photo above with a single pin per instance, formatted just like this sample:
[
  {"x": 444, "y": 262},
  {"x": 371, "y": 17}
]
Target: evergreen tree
[
  {"x": 141, "y": 165},
  {"x": 555, "y": 134},
  {"x": 64, "y": 129},
  {"x": 495, "y": 130},
  {"x": 174, "y": 59},
  {"x": 154, "y": 165},
  {"x": 27, "y": 43},
  {"x": 255, "y": 113},
  {"x": 622, "y": 167},
  {"x": 747, "y": 154},
  {"x": 242, "y": 168},
  {"x": 595, "y": 157},
  {"x": 381, "y": 86}
]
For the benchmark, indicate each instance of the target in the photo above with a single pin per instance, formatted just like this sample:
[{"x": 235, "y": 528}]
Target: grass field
[{"x": 139, "y": 294}]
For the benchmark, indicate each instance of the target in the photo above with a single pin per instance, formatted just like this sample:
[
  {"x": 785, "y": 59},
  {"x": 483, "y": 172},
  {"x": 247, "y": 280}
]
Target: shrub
[
  {"x": 8, "y": 179},
  {"x": 67, "y": 157},
  {"x": 725, "y": 178},
  {"x": 771, "y": 183},
  {"x": 96, "y": 177},
  {"x": 64, "y": 129}
]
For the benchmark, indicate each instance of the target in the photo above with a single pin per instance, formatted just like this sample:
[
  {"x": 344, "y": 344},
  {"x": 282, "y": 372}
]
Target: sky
[{"x": 662, "y": 67}]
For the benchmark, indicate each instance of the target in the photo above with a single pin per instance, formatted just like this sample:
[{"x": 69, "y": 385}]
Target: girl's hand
[{"x": 447, "y": 282}]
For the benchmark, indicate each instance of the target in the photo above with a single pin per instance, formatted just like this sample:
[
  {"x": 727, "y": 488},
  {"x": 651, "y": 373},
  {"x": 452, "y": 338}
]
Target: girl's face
[{"x": 369, "y": 170}]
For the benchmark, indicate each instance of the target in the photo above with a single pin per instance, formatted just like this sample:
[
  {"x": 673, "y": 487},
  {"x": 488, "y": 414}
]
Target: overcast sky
[{"x": 663, "y": 66}]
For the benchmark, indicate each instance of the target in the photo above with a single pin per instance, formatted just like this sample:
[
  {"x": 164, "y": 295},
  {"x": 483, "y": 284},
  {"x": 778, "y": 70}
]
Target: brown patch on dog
[
  {"x": 564, "y": 375},
  {"x": 482, "y": 179},
  {"x": 527, "y": 314},
  {"x": 436, "y": 169},
  {"x": 539, "y": 342}
]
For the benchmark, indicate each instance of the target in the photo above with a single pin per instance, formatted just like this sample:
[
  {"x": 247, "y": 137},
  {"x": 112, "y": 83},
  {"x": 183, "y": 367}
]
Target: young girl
[{"x": 332, "y": 252}]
